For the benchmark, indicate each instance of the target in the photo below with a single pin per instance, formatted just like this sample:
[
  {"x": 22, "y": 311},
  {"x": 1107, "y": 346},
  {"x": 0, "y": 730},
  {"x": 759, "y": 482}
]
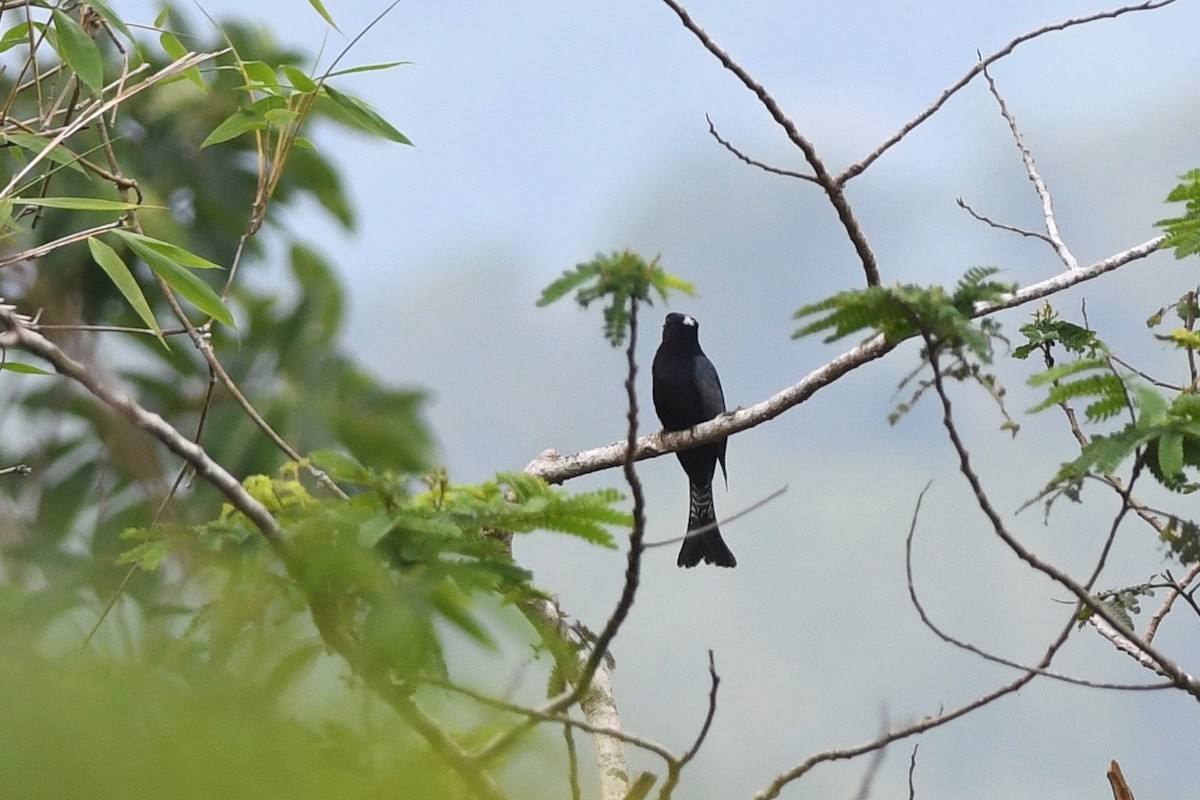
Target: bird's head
[{"x": 680, "y": 328}]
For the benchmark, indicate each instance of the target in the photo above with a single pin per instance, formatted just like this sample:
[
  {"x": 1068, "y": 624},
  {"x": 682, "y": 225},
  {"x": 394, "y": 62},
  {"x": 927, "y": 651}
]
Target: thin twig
[
  {"x": 713, "y": 525},
  {"x": 675, "y": 766},
  {"x": 858, "y": 167},
  {"x": 912, "y": 768},
  {"x": 1000, "y": 225},
  {"x": 821, "y": 175},
  {"x": 1039, "y": 185},
  {"x": 712, "y": 129},
  {"x": 1172, "y": 595},
  {"x": 587, "y": 672},
  {"x": 971, "y": 648},
  {"x": 1099, "y": 612}
]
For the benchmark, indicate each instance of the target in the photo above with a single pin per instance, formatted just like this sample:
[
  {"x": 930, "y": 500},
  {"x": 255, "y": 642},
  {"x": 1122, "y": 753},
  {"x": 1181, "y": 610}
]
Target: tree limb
[{"x": 555, "y": 468}]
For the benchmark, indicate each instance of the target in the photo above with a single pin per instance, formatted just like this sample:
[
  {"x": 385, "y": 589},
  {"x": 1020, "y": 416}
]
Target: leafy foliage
[
  {"x": 618, "y": 278},
  {"x": 1122, "y": 603},
  {"x": 903, "y": 311},
  {"x": 1047, "y": 330},
  {"x": 1164, "y": 436},
  {"x": 1183, "y": 232},
  {"x": 385, "y": 565}
]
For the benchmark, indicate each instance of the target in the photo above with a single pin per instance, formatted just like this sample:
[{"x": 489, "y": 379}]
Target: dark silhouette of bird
[{"x": 687, "y": 392}]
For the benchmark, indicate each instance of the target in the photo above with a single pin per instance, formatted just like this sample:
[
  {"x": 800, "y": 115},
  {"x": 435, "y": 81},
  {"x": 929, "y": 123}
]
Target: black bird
[{"x": 687, "y": 392}]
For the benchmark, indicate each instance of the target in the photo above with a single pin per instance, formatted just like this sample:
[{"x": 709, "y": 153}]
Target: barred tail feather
[{"x": 707, "y": 546}]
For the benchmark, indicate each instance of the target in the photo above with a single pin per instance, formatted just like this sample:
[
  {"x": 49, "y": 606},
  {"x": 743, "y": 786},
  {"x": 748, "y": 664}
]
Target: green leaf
[
  {"x": 175, "y": 50},
  {"x": 111, "y": 18},
  {"x": 233, "y": 126},
  {"x": 171, "y": 251},
  {"x": 77, "y": 203},
  {"x": 299, "y": 80},
  {"x": 177, "y": 276},
  {"x": 1170, "y": 453},
  {"x": 319, "y": 7},
  {"x": 24, "y": 369},
  {"x": 1182, "y": 337},
  {"x": 36, "y": 144},
  {"x": 79, "y": 51},
  {"x": 366, "y": 68},
  {"x": 18, "y": 35},
  {"x": 123, "y": 279},
  {"x": 251, "y": 118},
  {"x": 365, "y": 117},
  {"x": 261, "y": 74}
]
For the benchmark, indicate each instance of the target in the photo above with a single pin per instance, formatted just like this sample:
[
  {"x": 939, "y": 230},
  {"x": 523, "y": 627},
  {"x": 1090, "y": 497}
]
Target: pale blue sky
[{"x": 546, "y": 131}]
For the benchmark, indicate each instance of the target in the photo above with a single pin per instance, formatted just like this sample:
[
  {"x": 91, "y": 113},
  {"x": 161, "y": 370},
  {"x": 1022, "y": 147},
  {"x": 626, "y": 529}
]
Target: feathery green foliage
[
  {"x": 1122, "y": 603},
  {"x": 618, "y": 278},
  {"x": 385, "y": 565},
  {"x": 1047, "y": 330},
  {"x": 1166, "y": 434},
  {"x": 901, "y": 312},
  {"x": 1183, "y": 232},
  {"x": 904, "y": 311}
]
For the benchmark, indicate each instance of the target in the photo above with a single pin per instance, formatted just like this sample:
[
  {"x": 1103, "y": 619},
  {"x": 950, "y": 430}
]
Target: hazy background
[{"x": 548, "y": 131}]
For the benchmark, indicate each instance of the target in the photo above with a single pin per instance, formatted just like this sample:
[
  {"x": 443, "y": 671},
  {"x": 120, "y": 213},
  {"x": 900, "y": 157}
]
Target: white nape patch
[{"x": 688, "y": 319}]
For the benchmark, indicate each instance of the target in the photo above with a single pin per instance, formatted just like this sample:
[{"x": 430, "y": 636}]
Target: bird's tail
[{"x": 707, "y": 546}]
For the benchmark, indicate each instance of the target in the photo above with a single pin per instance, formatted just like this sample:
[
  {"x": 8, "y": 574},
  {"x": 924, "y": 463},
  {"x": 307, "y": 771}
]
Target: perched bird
[{"x": 687, "y": 392}]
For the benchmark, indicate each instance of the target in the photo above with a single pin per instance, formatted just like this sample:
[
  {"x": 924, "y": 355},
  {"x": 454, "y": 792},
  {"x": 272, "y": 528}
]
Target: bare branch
[
  {"x": 713, "y": 525},
  {"x": 857, "y": 168},
  {"x": 1161, "y": 612},
  {"x": 614, "y": 776},
  {"x": 787, "y": 173},
  {"x": 675, "y": 766},
  {"x": 1039, "y": 185},
  {"x": 556, "y": 468},
  {"x": 912, "y": 768},
  {"x": 949, "y": 639},
  {"x": 1164, "y": 665},
  {"x": 1116, "y": 781},
  {"x": 16, "y": 334},
  {"x": 821, "y": 175},
  {"x": 1000, "y": 225},
  {"x": 928, "y": 723}
]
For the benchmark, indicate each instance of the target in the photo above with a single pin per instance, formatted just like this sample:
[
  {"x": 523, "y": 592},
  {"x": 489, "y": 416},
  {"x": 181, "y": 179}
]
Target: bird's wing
[
  {"x": 712, "y": 400},
  {"x": 708, "y": 386}
]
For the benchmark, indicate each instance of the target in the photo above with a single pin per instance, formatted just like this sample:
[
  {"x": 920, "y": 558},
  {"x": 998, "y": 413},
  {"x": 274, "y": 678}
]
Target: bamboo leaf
[
  {"x": 365, "y": 117},
  {"x": 77, "y": 203},
  {"x": 319, "y": 7},
  {"x": 178, "y": 277},
  {"x": 79, "y": 51},
  {"x": 24, "y": 369},
  {"x": 36, "y": 144},
  {"x": 171, "y": 251},
  {"x": 123, "y": 279}
]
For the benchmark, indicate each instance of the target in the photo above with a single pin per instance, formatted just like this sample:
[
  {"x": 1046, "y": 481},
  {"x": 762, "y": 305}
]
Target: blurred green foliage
[{"x": 151, "y": 643}]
